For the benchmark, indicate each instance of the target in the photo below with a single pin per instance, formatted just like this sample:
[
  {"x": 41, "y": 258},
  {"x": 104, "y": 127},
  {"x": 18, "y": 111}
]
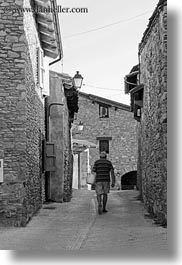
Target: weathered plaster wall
[
  {"x": 84, "y": 168},
  {"x": 56, "y": 136},
  {"x": 59, "y": 131},
  {"x": 68, "y": 157}
]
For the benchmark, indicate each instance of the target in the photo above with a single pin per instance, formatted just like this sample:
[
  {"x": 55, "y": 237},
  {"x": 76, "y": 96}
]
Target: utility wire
[
  {"x": 92, "y": 30},
  {"x": 104, "y": 88},
  {"x": 106, "y": 26}
]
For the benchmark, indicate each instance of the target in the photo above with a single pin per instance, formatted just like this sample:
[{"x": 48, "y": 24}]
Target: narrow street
[{"x": 76, "y": 225}]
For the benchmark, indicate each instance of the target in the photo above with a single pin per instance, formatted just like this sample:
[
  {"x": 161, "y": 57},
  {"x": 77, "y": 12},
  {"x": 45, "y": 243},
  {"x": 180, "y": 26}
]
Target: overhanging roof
[
  {"x": 80, "y": 145},
  {"x": 137, "y": 88},
  {"x": 48, "y": 27},
  {"x": 83, "y": 142},
  {"x": 130, "y": 79}
]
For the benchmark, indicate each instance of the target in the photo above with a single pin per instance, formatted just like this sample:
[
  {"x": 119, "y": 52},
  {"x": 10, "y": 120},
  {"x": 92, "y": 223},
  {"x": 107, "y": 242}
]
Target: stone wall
[
  {"x": 34, "y": 135},
  {"x": 21, "y": 122},
  {"x": 153, "y": 128},
  {"x": 120, "y": 126}
]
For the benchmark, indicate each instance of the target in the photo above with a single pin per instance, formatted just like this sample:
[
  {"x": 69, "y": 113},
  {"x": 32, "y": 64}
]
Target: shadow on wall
[{"x": 129, "y": 180}]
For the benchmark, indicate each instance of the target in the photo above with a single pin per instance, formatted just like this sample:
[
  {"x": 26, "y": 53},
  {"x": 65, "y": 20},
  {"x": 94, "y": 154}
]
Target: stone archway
[{"x": 129, "y": 180}]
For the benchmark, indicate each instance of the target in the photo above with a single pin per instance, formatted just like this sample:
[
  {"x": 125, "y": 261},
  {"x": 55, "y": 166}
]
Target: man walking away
[{"x": 103, "y": 167}]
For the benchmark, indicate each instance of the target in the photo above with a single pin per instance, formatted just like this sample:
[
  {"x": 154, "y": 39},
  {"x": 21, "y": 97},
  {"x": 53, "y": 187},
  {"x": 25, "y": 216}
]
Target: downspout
[
  {"x": 57, "y": 60},
  {"x": 139, "y": 170},
  {"x": 139, "y": 65}
]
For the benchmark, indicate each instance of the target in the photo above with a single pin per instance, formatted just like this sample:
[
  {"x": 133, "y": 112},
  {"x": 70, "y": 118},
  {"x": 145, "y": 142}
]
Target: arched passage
[{"x": 129, "y": 180}]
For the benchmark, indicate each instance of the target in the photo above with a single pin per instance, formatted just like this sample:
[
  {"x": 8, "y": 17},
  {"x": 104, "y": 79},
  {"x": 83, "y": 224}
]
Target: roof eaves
[
  {"x": 160, "y": 5},
  {"x": 137, "y": 88},
  {"x": 48, "y": 28}
]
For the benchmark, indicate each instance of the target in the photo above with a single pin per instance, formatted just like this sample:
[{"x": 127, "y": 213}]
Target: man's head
[{"x": 103, "y": 154}]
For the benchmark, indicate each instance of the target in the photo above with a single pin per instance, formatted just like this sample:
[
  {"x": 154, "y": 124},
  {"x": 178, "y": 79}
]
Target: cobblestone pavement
[{"x": 77, "y": 226}]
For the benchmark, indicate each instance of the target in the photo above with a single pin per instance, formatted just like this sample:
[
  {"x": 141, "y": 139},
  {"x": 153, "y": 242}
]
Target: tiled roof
[{"x": 48, "y": 28}]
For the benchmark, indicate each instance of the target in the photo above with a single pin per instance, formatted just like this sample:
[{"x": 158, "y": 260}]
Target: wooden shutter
[
  {"x": 49, "y": 157},
  {"x": 45, "y": 90}
]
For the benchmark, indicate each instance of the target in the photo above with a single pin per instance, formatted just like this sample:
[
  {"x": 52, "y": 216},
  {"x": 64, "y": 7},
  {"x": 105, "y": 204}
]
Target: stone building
[
  {"x": 61, "y": 106},
  {"x": 147, "y": 85},
  {"x": 109, "y": 126},
  {"x": 29, "y": 41}
]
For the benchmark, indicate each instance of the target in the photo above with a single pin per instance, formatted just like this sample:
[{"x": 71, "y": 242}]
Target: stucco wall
[
  {"x": 21, "y": 121},
  {"x": 68, "y": 157},
  {"x": 120, "y": 126},
  {"x": 59, "y": 134},
  {"x": 84, "y": 168},
  {"x": 153, "y": 128},
  {"x": 56, "y": 136}
]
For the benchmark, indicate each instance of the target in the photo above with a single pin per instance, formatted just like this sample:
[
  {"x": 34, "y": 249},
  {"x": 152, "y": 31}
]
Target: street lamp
[{"x": 78, "y": 79}]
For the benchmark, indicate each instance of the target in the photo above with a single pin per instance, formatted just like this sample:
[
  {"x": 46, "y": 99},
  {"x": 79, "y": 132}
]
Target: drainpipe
[
  {"x": 139, "y": 65},
  {"x": 79, "y": 184},
  {"x": 59, "y": 59},
  {"x": 139, "y": 178}
]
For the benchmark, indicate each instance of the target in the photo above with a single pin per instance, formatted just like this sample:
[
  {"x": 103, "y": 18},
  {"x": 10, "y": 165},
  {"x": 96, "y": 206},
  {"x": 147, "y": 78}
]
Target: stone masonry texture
[
  {"x": 120, "y": 126},
  {"x": 152, "y": 131},
  {"x": 21, "y": 119}
]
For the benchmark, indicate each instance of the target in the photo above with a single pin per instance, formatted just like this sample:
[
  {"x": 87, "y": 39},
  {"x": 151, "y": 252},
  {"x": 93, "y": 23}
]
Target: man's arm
[
  {"x": 112, "y": 178},
  {"x": 93, "y": 170}
]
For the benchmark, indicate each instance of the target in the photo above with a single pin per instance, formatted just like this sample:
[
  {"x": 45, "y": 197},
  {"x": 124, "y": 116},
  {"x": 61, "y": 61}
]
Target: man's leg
[
  {"x": 104, "y": 203},
  {"x": 99, "y": 199}
]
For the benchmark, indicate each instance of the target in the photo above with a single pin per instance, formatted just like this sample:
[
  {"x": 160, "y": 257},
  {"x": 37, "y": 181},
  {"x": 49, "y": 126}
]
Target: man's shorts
[{"x": 102, "y": 187}]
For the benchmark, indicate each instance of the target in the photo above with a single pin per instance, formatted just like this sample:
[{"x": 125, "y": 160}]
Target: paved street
[{"x": 77, "y": 226}]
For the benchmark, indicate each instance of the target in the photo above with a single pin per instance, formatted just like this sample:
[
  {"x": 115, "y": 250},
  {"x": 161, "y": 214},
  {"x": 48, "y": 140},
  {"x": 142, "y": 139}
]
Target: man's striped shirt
[{"x": 102, "y": 167}]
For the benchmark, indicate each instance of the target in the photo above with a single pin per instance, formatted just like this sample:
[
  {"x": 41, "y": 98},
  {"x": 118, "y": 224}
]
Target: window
[
  {"x": 103, "y": 111},
  {"x": 41, "y": 70},
  {"x": 104, "y": 143},
  {"x": 104, "y": 146},
  {"x": 137, "y": 101}
]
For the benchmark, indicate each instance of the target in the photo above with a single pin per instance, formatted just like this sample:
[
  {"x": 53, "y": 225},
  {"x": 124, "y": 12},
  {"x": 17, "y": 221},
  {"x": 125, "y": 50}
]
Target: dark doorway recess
[{"x": 129, "y": 180}]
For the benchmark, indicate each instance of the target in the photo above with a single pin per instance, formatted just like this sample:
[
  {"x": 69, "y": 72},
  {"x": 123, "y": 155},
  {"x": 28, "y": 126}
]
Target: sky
[{"x": 103, "y": 56}]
